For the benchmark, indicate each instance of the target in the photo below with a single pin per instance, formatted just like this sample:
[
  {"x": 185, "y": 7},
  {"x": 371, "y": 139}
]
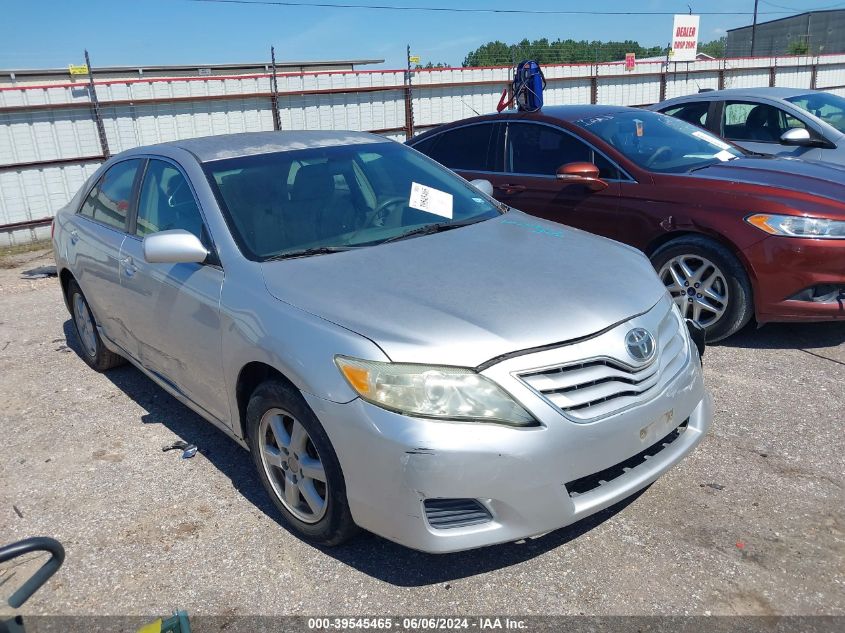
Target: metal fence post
[
  {"x": 409, "y": 100},
  {"x": 274, "y": 95},
  {"x": 95, "y": 109}
]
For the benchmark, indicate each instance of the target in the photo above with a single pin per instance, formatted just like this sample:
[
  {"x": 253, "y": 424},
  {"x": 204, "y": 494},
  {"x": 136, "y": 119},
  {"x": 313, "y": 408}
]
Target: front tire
[
  {"x": 92, "y": 351},
  {"x": 707, "y": 282},
  {"x": 297, "y": 464}
]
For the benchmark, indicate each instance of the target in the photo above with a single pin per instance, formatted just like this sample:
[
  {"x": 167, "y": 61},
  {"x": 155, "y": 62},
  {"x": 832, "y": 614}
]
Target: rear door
[
  {"x": 96, "y": 234},
  {"x": 173, "y": 310},
  {"x": 533, "y": 153}
]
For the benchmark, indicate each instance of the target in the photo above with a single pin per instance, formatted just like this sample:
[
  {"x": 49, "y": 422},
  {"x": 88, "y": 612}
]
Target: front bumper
[
  {"x": 393, "y": 463},
  {"x": 789, "y": 270}
]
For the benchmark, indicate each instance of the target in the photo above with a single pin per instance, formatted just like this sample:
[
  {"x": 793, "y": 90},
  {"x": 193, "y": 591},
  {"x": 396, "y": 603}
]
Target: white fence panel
[
  {"x": 143, "y": 111},
  {"x": 33, "y": 193}
]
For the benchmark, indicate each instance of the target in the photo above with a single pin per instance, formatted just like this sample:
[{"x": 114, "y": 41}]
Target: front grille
[
  {"x": 591, "y": 482},
  {"x": 599, "y": 386},
  {"x": 444, "y": 514}
]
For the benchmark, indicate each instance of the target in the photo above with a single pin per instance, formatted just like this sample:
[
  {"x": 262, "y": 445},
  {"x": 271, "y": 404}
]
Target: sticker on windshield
[
  {"x": 724, "y": 155},
  {"x": 712, "y": 140},
  {"x": 430, "y": 200}
]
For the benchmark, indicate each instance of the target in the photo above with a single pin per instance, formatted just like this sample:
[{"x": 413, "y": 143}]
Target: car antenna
[{"x": 469, "y": 106}]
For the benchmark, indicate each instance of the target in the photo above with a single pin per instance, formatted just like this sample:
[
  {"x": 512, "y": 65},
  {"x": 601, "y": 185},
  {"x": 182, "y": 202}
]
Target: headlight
[
  {"x": 452, "y": 393},
  {"x": 798, "y": 226}
]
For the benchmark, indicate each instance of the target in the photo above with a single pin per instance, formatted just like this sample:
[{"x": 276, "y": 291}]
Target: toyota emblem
[{"x": 640, "y": 344}]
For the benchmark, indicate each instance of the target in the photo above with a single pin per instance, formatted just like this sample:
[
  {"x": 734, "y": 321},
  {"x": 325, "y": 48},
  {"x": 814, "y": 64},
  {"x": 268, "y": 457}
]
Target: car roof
[
  {"x": 568, "y": 113},
  {"x": 209, "y": 148},
  {"x": 572, "y": 113},
  {"x": 731, "y": 93}
]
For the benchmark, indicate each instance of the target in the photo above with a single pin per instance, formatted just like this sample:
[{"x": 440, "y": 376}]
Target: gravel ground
[{"x": 753, "y": 522}]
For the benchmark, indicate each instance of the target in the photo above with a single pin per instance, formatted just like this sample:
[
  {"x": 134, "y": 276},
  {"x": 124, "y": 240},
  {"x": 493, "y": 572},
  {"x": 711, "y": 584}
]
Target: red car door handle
[{"x": 510, "y": 188}]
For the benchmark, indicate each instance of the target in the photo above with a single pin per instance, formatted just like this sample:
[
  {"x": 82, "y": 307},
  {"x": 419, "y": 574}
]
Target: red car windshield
[{"x": 657, "y": 142}]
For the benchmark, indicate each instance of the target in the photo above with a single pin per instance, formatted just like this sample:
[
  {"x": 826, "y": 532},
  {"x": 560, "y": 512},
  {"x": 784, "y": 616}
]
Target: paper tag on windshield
[
  {"x": 430, "y": 200},
  {"x": 711, "y": 139},
  {"x": 724, "y": 155}
]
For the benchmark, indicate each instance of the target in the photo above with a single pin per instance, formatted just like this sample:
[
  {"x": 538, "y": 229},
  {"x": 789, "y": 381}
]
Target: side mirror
[
  {"x": 796, "y": 136},
  {"x": 584, "y": 173},
  {"x": 174, "y": 247},
  {"x": 484, "y": 186}
]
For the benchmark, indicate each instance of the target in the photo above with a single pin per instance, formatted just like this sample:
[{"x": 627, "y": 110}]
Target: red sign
[{"x": 630, "y": 61}]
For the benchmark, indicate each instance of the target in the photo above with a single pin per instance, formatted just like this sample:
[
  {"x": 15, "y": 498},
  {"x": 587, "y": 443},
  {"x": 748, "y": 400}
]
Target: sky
[{"x": 54, "y": 33}]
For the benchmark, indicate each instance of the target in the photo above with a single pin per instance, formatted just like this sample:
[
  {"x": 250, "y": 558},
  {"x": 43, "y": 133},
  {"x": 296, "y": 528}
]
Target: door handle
[
  {"x": 514, "y": 188},
  {"x": 129, "y": 267},
  {"x": 74, "y": 237}
]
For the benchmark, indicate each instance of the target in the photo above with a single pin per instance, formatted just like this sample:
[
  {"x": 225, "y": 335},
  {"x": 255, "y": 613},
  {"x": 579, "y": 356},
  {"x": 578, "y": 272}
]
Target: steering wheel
[
  {"x": 657, "y": 154},
  {"x": 379, "y": 214}
]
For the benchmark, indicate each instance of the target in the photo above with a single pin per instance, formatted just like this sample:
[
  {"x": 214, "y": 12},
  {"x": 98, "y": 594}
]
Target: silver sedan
[
  {"x": 397, "y": 350},
  {"x": 794, "y": 122}
]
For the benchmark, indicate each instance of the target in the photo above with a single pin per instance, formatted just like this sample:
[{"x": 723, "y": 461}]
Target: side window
[
  {"x": 427, "y": 146},
  {"x": 607, "y": 170},
  {"x": 787, "y": 122},
  {"x": 695, "y": 113},
  {"x": 167, "y": 202},
  {"x": 746, "y": 121},
  {"x": 541, "y": 149},
  {"x": 466, "y": 148},
  {"x": 109, "y": 200}
]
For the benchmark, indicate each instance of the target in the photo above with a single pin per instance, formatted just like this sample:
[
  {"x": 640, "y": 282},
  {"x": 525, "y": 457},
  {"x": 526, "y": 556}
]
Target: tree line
[{"x": 559, "y": 51}]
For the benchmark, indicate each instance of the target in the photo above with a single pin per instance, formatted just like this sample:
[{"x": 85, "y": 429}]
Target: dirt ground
[{"x": 753, "y": 522}]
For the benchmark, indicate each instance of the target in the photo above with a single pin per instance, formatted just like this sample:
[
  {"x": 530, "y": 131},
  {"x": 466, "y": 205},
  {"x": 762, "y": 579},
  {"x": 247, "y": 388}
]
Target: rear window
[{"x": 109, "y": 200}]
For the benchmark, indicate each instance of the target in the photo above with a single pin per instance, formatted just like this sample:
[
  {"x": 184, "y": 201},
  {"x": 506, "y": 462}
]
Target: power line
[
  {"x": 388, "y": 7},
  {"x": 802, "y": 9}
]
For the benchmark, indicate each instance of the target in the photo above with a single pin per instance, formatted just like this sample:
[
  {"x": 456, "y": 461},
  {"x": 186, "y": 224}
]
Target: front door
[
  {"x": 173, "y": 310},
  {"x": 758, "y": 127},
  {"x": 533, "y": 153}
]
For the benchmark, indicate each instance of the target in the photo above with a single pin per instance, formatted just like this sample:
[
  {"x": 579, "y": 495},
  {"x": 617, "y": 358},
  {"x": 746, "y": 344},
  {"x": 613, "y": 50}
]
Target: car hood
[
  {"x": 800, "y": 182},
  {"x": 468, "y": 295}
]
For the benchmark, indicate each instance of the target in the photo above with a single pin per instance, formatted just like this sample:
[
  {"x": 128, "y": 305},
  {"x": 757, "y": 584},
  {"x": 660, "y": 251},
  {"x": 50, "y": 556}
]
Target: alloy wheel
[
  {"x": 84, "y": 325},
  {"x": 293, "y": 465},
  {"x": 698, "y": 287}
]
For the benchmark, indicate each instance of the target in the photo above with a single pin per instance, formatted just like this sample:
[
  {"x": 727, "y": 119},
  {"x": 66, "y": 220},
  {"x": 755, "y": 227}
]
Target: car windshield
[
  {"x": 320, "y": 200},
  {"x": 658, "y": 142},
  {"x": 829, "y": 108}
]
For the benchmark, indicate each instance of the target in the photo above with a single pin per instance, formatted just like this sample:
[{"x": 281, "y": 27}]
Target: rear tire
[
  {"x": 93, "y": 352},
  {"x": 707, "y": 282},
  {"x": 298, "y": 465}
]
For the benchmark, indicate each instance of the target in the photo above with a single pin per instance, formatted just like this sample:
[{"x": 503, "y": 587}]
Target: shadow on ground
[
  {"x": 788, "y": 336},
  {"x": 370, "y": 554}
]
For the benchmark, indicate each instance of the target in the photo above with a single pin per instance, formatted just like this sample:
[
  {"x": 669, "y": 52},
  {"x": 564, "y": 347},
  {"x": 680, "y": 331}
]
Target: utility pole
[{"x": 754, "y": 28}]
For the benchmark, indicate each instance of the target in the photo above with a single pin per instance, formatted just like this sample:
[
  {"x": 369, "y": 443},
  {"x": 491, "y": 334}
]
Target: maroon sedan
[{"x": 732, "y": 235}]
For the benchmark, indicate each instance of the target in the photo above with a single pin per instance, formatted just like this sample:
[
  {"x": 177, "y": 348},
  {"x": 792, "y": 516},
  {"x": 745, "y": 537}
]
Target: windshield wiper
[
  {"x": 308, "y": 252},
  {"x": 428, "y": 229}
]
